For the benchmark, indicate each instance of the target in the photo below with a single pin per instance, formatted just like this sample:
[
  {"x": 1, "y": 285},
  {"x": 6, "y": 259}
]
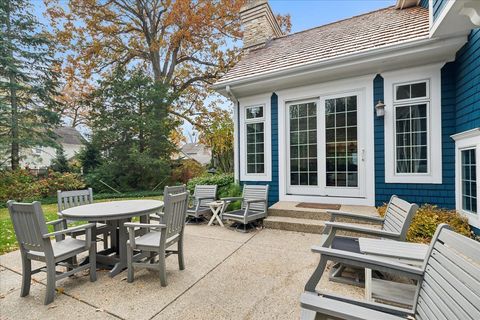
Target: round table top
[{"x": 112, "y": 210}]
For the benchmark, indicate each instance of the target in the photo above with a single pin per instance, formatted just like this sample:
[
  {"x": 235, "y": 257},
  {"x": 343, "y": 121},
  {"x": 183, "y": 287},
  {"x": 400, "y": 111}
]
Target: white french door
[{"x": 325, "y": 154}]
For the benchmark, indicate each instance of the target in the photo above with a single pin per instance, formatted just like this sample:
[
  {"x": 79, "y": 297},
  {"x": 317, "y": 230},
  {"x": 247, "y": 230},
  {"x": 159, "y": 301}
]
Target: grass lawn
[{"x": 8, "y": 241}]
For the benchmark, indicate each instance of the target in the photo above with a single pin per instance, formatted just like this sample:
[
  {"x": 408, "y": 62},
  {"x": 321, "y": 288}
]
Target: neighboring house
[
  {"x": 196, "y": 151},
  {"x": 383, "y": 103},
  {"x": 38, "y": 158}
]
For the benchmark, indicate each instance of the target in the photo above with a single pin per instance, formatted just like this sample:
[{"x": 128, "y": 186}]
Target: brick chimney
[{"x": 259, "y": 23}]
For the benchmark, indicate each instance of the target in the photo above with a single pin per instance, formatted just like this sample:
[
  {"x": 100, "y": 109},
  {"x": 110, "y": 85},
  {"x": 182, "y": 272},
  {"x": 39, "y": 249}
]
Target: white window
[
  {"x": 467, "y": 174},
  {"x": 255, "y": 146},
  {"x": 255, "y": 129},
  {"x": 413, "y": 142},
  {"x": 411, "y": 127}
]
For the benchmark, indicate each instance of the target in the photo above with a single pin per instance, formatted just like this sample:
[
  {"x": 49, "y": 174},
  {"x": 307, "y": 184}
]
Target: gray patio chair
[
  {"x": 35, "y": 243},
  {"x": 202, "y": 195},
  {"x": 395, "y": 224},
  {"x": 159, "y": 238},
  {"x": 448, "y": 284},
  {"x": 167, "y": 192},
  {"x": 254, "y": 205},
  {"x": 74, "y": 198}
]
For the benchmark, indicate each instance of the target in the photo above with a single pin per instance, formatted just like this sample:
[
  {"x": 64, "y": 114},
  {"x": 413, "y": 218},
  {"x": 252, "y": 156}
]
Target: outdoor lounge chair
[
  {"x": 70, "y": 199},
  {"x": 35, "y": 243},
  {"x": 448, "y": 284},
  {"x": 395, "y": 224},
  {"x": 202, "y": 195},
  {"x": 159, "y": 238},
  {"x": 254, "y": 205}
]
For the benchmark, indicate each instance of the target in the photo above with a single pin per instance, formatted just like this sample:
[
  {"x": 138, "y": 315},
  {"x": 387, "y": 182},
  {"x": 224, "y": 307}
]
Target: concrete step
[
  {"x": 289, "y": 209},
  {"x": 300, "y": 214},
  {"x": 294, "y": 224}
]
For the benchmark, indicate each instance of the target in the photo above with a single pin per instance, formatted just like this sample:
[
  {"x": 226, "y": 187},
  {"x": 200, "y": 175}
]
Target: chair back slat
[
  {"x": 175, "y": 213},
  {"x": 29, "y": 225},
  {"x": 169, "y": 191},
  {"x": 70, "y": 199},
  {"x": 251, "y": 192},
  {"x": 398, "y": 216},
  {"x": 205, "y": 191},
  {"x": 451, "y": 285}
]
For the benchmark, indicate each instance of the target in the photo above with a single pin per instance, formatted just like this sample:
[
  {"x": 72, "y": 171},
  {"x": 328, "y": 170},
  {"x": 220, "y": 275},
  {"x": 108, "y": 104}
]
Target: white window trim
[
  {"x": 259, "y": 100},
  {"x": 466, "y": 140},
  {"x": 431, "y": 73}
]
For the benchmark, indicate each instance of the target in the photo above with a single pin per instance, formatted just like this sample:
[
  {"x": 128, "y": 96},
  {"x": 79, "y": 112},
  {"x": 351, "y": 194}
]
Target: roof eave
[{"x": 350, "y": 59}]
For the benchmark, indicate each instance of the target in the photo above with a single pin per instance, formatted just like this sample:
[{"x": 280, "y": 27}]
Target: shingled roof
[
  {"x": 69, "y": 135},
  {"x": 369, "y": 31}
]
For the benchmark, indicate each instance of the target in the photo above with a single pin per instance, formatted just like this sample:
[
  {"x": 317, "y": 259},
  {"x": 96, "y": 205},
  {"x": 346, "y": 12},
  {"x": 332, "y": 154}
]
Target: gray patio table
[
  {"x": 406, "y": 252},
  {"x": 115, "y": 214}
]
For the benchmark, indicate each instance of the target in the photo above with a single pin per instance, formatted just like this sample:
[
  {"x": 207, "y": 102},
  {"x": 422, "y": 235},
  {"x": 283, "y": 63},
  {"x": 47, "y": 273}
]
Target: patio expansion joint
[
  {"x": 64, "y": 293},
  {"x": 204, "y": 276}
]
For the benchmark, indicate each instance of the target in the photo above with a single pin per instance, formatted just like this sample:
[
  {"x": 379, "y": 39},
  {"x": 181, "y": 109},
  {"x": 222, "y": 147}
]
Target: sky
[{"x": 305, "y": 14}]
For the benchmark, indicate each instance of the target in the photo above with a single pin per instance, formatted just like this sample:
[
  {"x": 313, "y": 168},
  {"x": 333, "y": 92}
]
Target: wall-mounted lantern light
[{"x": 380, "y": 108}]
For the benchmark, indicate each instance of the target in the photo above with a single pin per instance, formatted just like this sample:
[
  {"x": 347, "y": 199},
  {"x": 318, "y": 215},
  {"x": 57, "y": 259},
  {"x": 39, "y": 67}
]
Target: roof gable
[{"x": 361, "y": 33}]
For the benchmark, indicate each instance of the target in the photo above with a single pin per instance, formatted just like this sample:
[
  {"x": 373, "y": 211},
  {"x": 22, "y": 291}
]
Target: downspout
[{"x": 236, "y": 132}]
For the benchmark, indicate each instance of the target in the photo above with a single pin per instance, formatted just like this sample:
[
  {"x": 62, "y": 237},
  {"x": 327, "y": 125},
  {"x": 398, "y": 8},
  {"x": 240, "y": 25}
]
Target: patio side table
[
  {"x": 409, "y": 253},
  {"x": 217, "y": 208}
]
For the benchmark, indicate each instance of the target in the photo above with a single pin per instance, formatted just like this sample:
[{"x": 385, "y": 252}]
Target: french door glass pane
[
  {"x": 341, "y": 149},
  {"x": 303, "y": 144},
  {"x": 469, "y": 181},
  {"x": 255, "y": 148}
]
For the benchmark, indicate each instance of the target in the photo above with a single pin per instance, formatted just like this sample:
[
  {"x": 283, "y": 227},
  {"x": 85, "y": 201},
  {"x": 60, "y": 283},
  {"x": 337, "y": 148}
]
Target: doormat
[{"x": 318, "y": 206}]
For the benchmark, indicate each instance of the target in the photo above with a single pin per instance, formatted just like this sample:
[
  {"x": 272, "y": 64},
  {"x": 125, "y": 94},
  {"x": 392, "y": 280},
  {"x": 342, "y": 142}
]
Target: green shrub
[
  {"x": 21, "y": 185},
  {"x": 426, "y": 220},
  {"x": 223, "y": 181}
]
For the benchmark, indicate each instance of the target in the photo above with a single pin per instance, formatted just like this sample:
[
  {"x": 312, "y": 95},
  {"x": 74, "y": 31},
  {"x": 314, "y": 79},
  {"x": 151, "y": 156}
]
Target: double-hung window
[
  {"x": 255, "y": 139},
  {"x": 411, "y": 113},
  {"x": 413, "y": 132}
]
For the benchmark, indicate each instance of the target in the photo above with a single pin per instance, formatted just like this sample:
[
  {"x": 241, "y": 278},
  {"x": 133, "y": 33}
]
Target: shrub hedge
[
  {"x": 426, "y": 220},
  {"x": 21, "y": 185}
]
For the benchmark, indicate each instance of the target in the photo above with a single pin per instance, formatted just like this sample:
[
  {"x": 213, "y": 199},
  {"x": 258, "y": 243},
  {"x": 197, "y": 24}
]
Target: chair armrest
[
  {"x": 359, "y": 229},
  {"x": 344, "y": 214},
  {"x": 144, "y": 225},
  {"x": 255, "y": 200},
  {"x": 367, "y": 261},
  {"x": 231, "y": 199},
  {"x": 205, "y": 198},
  {"x": 55, "y": 222},
  {"x": 345, "y": 308},
  {"x": 86, "y": 227}
]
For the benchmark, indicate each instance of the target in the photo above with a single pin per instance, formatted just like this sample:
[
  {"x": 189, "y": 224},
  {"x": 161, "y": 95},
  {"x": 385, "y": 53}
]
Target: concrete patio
[{"x": 228, "y": 275}]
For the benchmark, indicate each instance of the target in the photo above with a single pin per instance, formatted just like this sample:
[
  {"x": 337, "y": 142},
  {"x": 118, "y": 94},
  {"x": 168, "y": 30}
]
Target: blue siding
[
  {"x": 273, "y": 192},
  {"x": 438, "y": 6},
  {"x": 467, "y": 81},
  {"x": 440, "y": 194},
  {"x": 424, "y": 3}
]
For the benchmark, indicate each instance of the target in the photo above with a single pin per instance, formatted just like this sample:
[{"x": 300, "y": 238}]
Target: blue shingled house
[{"x": 351, "y": 112}]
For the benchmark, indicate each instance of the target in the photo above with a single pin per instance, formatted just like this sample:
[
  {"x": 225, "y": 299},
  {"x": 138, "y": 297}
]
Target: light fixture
[{"x": 380, "y": 108}]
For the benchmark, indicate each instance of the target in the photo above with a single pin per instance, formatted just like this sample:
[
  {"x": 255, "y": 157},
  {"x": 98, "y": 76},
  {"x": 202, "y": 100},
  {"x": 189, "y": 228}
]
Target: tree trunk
[{"x": 15, "y": 149}]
